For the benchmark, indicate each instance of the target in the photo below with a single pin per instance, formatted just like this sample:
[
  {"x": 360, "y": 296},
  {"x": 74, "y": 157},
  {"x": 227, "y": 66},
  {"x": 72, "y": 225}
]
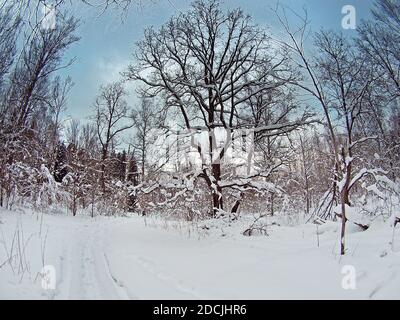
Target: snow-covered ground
[{"x": 137, "y": 258}]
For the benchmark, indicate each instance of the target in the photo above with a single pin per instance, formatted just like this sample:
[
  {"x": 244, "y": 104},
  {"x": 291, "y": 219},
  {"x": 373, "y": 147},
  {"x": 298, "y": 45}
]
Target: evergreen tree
[{"x": 60, "y": 165}]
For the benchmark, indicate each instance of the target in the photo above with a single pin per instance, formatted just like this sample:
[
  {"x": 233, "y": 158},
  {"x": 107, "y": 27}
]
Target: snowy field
[{"x": 137, "y": 258}]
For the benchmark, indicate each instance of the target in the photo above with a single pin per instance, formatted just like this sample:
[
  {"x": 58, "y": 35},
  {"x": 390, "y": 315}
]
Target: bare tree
[
  {"x": 29, "y": 122},
  {"x": 147, "y": 118},
  {"x": 379, "y": 39},
  {"x": 39, "y": 60},
  {"x": 72, "y": 132},
  {"x": 339, "y": 79},
  {"x": 89, "y": 140},
  {"x": 207, "y": 64},
  {"x": 306, "y": 172},
  {"x": 57, "y": 103},
  {"x": 379, "y": 42},
  {"x": 111, "y": 119},
  {"x": 9, "y": 30}
]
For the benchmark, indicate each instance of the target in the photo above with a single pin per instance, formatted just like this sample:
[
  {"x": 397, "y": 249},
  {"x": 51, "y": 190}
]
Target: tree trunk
[
  {"x": 343, "y": 227},
  {"x": 74, "y": 207},
  {"x": 307, "y": 203},
  {"x": 344, "y": 198},
  {"x": 103, "y": 169},
  {"x": 216, "y": 189},
  {"x": 272, "y": 204},
  {"x": 235, "y": 207}
]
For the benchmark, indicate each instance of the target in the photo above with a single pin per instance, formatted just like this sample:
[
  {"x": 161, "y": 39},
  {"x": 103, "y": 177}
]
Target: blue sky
[{"x": 107, "y": 42}]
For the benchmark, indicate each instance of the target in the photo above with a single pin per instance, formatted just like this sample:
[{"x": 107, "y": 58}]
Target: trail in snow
[
  {"x": 75, "y": 247},
  {"x": 87, "y": 267},
  {"x": 85, "y": 270}
]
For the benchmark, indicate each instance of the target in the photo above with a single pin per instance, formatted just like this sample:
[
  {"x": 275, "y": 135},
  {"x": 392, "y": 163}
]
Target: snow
[{"x": 151, "y": 258}]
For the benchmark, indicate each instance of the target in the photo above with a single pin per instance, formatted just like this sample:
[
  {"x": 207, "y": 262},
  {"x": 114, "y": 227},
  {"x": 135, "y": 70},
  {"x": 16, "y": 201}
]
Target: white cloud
[{"x": 110, "y": 69}]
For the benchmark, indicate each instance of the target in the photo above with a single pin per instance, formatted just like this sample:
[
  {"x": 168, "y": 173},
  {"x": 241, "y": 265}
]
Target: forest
[{"x": 230, "y": 120}]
